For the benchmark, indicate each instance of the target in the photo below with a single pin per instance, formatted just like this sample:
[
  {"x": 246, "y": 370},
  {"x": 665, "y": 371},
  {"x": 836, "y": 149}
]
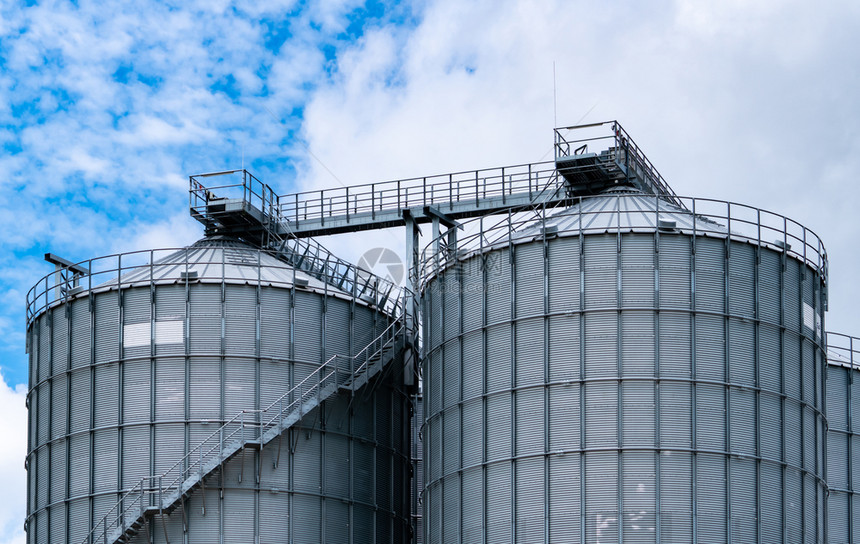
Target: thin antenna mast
[{"x": 554, "y": 101}]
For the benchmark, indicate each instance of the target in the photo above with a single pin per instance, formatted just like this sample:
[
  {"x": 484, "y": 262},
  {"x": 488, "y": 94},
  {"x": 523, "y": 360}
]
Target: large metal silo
[
  {"x": 625, "y": 369},
  {"x": 843, "y": 438},
  {"x": 139, "y": 361}
]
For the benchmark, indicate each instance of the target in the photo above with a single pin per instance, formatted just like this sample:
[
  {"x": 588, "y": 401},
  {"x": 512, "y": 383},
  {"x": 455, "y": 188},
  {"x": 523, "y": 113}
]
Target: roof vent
[
  {"x": 188, "y": 275},
  {"x": 549, "y": 230},
  {"x": 666, "y": 224},
  {"x": 301, "y": 282},
  {"x": 76, "y": 289},
  {"x": 783, "y": 245}
]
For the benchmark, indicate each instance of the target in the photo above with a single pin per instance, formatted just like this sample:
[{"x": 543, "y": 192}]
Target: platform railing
[
  {"x": 617, "y": 145},
  {"x": 144, "y": 268},
  {"x": 444, "y": 191},
  {"x": 843, "y": 350},
  {"x": 161, "y": 492},
  {"x": 706, "y": 217},
  {"x": 231, "y": 185}
]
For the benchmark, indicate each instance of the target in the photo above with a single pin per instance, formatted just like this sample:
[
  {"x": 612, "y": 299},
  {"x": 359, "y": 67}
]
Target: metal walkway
[
  {"x": 251, "y": 207},
  {"x": 163, "y": 494}
]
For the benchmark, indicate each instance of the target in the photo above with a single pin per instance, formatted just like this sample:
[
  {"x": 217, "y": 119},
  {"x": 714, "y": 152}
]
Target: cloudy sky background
[{"x": 105, "y": 111}]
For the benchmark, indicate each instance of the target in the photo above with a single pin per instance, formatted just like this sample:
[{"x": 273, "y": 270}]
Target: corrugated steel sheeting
[
  {"x": 678, "y": 401},
  {"x": 153, "y": 369},
  {"x": 843, "y": 445}
]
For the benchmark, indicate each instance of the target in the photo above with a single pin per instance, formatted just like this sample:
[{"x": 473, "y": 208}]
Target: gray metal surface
[
  {"x": 612, "y": 381},
  {"x": 128, "y": 377},
  {"x": 418, "y": 468},
  {"x": 843, "y": 438}
]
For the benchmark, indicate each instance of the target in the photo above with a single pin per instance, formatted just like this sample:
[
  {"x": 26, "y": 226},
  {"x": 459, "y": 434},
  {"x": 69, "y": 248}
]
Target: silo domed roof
[
  {"x": 622, "y": 208},
  {"x": 215, "y": 258}
]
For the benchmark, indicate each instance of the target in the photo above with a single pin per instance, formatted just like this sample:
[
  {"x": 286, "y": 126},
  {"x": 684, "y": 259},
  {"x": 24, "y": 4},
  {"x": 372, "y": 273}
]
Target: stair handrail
[
  {"x": 134, "y": 497},
  {"x": 308, "y": 255}
]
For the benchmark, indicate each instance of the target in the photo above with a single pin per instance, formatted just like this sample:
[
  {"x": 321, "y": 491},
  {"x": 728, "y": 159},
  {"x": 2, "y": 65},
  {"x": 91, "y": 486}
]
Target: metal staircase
[
  {"x": 161, "y": 495},
  {"x": 237, "y": 204}
]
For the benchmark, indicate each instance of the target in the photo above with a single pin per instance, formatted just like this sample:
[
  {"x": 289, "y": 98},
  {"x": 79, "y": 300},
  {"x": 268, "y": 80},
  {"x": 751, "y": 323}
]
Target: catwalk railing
[
  {"x": 843, "y": 350},
  {"x": 619, "y": 213},
  {"x": 144, "y": 268},
  {"x": 443, "y": 191}
]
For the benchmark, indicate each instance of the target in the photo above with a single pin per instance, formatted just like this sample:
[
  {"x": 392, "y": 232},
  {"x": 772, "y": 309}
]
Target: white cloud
[
  {"x": 332, "y": 14},
  {"x": 177, "y": 231},
  {"x": 261, "y": 9},
  {"x": 107, "y": 108},
  {"x": 13, "y": 450},
  {"x": 148, "y": 131},
  {"x": 732, "y": 101}
]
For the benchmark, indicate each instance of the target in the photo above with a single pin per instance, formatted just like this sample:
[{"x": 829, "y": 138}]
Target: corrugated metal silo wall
[
  {"x": 843, "y": 453},
  {"x": 641, "y": 387},
  {"x": 418, "y": 468},
  {"x": 124, "y": 382}
]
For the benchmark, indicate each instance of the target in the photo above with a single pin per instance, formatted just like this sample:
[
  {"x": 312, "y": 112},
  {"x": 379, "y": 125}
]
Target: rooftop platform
[{"x": 597, "y": 156}]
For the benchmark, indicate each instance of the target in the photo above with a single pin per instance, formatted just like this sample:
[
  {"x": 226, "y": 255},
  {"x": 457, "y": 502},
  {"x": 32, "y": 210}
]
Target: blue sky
[
  {"x": 105, "y": 109},
  {"x": 106, "y": 112}
]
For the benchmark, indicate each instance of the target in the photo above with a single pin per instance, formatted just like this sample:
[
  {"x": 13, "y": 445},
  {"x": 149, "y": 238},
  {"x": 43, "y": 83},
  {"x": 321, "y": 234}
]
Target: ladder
[{"x": 162, "y": 494}]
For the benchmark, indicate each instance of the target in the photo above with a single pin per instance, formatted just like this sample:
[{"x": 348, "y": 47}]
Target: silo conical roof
[
  {"x": 215, "y": 258},
  {"x": 622, "y": 208}
]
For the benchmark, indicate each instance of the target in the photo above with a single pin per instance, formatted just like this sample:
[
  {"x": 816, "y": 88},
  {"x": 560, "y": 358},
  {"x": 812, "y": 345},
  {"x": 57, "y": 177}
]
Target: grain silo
[
  {"x": 138, "y": 359},
  {"x": 843, "y": 437},
  {"x": 632, "y": 367},
  {"x": 603, "y": 361}
]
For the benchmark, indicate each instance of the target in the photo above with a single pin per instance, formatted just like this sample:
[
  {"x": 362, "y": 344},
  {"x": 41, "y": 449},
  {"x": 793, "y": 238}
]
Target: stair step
[{"x": 173, "y": 498}]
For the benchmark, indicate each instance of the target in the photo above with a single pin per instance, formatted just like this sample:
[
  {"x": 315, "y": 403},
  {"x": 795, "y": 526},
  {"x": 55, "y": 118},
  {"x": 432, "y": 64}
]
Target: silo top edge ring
[
  {"x": 629, "y": 211},
  {"x": 202, "y": 262}
]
